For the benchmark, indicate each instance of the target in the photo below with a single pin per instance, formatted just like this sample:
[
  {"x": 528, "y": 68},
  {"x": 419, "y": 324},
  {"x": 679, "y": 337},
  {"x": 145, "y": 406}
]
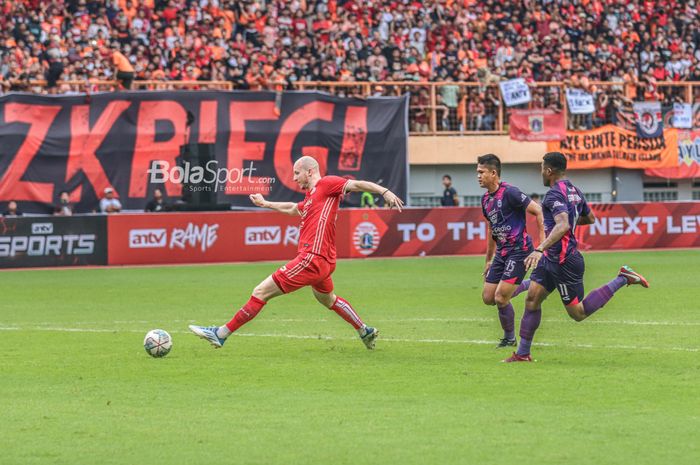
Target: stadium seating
[{"x": 265, "y": 44}]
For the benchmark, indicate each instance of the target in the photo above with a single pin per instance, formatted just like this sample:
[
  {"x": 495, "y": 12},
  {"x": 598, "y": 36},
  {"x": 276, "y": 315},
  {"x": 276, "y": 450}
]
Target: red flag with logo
[{"x": 537, "y": 125}]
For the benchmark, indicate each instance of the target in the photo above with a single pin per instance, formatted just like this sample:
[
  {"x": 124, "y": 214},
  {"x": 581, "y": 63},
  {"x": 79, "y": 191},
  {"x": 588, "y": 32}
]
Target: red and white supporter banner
[
  {"x": 253, "y": 236},
  {"x": 537, "y": 125}
]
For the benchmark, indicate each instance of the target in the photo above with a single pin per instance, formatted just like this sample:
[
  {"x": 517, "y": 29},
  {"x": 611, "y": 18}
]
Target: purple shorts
[
  {"x": 566, "y": 277},
  {"x": 509, "y": 268}
]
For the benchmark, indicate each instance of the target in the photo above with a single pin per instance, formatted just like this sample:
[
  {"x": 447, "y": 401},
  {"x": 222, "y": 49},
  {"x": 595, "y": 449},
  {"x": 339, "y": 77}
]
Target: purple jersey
[
  {"x": 563, "y": 197},
  {"x": 505, "y": 211}
]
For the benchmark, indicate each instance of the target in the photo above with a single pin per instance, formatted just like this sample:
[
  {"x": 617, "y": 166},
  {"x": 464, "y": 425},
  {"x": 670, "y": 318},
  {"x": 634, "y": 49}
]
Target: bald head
[
  {"x": 307, "y": 163},
  {"x": 306, "y": 172}
]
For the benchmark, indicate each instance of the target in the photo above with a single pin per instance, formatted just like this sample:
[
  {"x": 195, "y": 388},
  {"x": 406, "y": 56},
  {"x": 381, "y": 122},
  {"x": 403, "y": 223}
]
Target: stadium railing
[
  {"x": 100, "y": 85},
  {"x": 448, "y": 108},
  {"x": 473, "y": 108}
]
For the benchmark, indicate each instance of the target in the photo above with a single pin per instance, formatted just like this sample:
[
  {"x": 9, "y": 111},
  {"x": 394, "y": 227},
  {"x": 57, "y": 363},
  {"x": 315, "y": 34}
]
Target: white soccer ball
[{"x": 158, "y": 343}]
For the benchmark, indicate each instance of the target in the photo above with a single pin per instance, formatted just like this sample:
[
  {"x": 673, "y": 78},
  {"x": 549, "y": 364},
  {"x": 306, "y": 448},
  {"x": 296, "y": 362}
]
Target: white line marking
[
  {"x": 427, "y": 320},
  {"x": 330, "y": 338},
  {"x": 552, "y": 320}
]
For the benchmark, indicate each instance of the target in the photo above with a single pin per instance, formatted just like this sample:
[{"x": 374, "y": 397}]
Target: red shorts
[{"x": 305, "y": 270}]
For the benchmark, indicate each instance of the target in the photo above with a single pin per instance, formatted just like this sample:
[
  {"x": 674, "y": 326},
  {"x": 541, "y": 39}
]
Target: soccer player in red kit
[{"x": 315, "y": 260}]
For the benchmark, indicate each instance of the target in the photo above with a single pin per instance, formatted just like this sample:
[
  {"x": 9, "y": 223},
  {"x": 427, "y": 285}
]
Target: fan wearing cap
[{"x": 110, "y": 204}]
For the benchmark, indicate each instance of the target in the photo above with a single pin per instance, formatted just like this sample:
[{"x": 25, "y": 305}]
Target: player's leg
[
  {"x": 506, "y": 314},
  {"x": 341, "y": 307},
  {"x": 580, "y": 308},
  {"x": 263, "y": 292},
  {"x": 522, "y": 287},
  {"x": 513, "y": 273},
  {"x": 288, "y": 278},
  {"x": 542, "y": 283},
  {"x": 488, "y": 294},
  {"x": 492, "y": 283},
  {"x": 216, "y": 335},
  {"x": 323, "y": 291}
]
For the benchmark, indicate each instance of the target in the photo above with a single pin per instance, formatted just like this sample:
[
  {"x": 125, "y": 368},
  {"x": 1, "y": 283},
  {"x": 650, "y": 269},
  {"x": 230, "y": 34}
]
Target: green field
[{"x": 296, "y": 386}]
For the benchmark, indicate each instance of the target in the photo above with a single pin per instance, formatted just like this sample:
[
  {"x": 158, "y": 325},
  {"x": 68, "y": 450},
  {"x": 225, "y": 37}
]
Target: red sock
[
  {"x": 346, "y": 312},
  {"x": 246, "y": 313}
]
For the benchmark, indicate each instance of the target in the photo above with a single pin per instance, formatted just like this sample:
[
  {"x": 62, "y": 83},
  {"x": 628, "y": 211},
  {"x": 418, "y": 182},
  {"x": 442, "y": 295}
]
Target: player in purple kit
[
  {"x": 562, "y": 267},
  {"x": 508, "y": 245}
]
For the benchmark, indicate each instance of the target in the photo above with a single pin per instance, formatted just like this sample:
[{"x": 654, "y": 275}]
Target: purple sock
[
  {"x": 522, "y": 287},
  {"x": 507, "y": 317},
  {"x": 528, "y": 325},
  {"x": 599, "y": 297}
]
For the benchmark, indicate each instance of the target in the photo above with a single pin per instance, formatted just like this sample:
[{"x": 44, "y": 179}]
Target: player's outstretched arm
[
  {"x": 534, "y": 208},
  {"x": 560, "y": 228},
  {"x": 288, "y": 208},
  {"x": 390, "y": 198}
]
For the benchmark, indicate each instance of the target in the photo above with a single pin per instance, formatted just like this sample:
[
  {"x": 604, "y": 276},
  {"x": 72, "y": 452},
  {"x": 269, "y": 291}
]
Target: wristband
[
  {"x": 385, "y": 192},
  {"x": 539, "y": 250}
]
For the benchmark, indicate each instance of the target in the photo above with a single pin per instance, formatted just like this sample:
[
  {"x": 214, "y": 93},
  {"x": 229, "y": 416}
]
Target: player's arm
[
  {"x": 490, "y": 249},
  {"x": 535, "y": 209},
  {"x": 586, "y": 219},
  {"x": 391, "y": 199},
  {"x": 561, "y": 227},
  {"x": 288, "y": 208}
]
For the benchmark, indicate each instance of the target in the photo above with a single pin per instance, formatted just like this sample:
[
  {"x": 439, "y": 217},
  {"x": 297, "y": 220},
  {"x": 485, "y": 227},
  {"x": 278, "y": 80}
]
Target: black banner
[
  {"x": 130, "y": 141},
  {"x": 53, "y": 241}
]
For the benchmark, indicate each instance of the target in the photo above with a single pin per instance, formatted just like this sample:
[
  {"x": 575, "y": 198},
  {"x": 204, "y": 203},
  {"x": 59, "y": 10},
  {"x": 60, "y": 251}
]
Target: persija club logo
[
  {"x": 649, "y": 122},
  {"x": 366, "y": 238}
]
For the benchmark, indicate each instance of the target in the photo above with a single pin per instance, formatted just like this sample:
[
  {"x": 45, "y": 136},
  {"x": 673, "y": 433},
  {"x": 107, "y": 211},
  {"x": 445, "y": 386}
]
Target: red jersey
[{"x": 319, "y": 211}]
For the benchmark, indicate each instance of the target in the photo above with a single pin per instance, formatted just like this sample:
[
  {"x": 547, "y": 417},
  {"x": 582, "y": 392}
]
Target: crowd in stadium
[{"x": 262, "y": 44}]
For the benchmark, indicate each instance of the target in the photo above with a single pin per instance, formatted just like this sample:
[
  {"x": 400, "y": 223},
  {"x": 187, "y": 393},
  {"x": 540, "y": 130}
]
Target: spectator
[
  {"x": 449, "y": 195},
  {"x": 450, "y": 98},
  {"x": 260, "y": 44},
  {"x": 421, "y": 105},
  {"x": 63, "y": 207},
  {"x": 55, "y": 66},
  {"x": 157, "y": 203},
  {"x": 124, "y": 69},
  {"x": 12, "y": 210},
  {"x": 367, "y": 200},
  {"x": 110, "y": 204},
  {"x": 476, "y": 112}
]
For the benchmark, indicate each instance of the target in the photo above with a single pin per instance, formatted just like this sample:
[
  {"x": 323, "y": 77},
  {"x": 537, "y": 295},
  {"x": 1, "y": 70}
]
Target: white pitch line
[
  {"x": 551, "y": 320},
  {"x": 416, "y": 320},
  {"x": 330, "y": 338}
]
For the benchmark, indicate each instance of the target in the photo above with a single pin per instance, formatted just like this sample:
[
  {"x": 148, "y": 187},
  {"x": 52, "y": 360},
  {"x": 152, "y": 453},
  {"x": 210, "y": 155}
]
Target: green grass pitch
[{"x": 296, "y": 386}]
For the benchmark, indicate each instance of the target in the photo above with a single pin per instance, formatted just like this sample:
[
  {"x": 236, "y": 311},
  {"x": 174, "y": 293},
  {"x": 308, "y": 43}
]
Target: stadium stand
[{"x": 642, "y": 50}]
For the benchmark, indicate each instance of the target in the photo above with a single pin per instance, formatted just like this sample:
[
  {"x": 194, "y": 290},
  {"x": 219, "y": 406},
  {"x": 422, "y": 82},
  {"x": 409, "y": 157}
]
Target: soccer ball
[{"x": 158, "y": 343}]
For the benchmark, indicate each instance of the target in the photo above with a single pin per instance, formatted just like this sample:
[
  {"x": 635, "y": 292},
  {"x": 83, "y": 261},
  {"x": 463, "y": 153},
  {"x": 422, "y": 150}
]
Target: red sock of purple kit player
[
  {"x": 522, "y": 287},
  {"x": 528, "y": 325},
  {"x": 507, "y": 317},
  {"x": 599, "y": 297}
]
